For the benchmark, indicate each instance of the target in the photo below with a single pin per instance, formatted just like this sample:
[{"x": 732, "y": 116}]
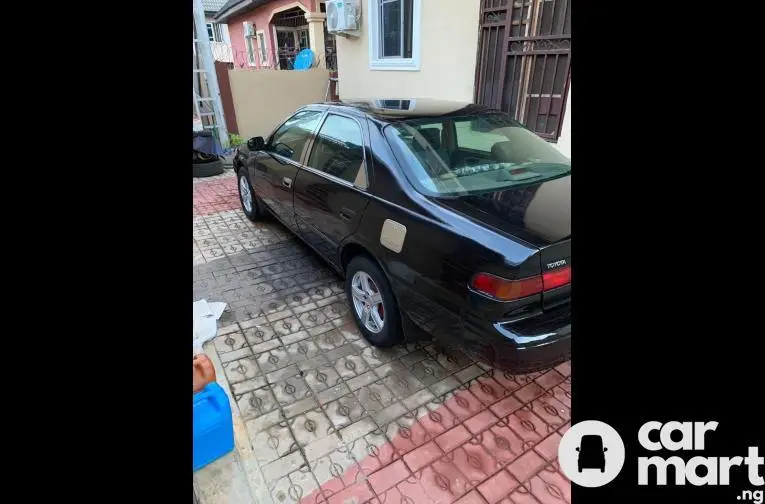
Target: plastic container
[
  {"x": 204, "y": 372},
  {"x": 213, "y": 425}
]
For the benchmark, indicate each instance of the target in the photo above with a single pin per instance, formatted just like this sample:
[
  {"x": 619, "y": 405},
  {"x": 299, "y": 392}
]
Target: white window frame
[
  {"x": 262, "y": 51},
  {"x": 216, "y": 29},
  {"x": 210, "y": 28},
  {"x": 376, "y": 62},
  {"x": 249, "y": 41}
]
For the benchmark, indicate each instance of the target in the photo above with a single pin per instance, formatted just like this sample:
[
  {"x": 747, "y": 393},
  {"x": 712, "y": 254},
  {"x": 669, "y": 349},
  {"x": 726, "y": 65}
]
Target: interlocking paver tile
[
  {"x": 497, "y": 487},
  {"x": 310, "y": 426},
  {"x": 235, "y": 355},
  {"x": 321, "y": 426},
  {"x": 230, "y": 342},
  {"x": 351, "y": 366},
  {"x": 241, "y": 370},
  {"x": 283, "y": 466},
  {"x": 419, "y": 398},
  {"x": 344, "y": 411},
  {"x": 374, "y": 397},
  {"x": 428, "y": 371},
  {"x": 332, "y": 339},
  {"x": 273, "y": 443},
  {"x": 388, "y": 476},
  {"x": 525, "y": 466},
  {"x": 372, "y": 452},
  {"x": 406, "y": 434},
  {"x": 520, "y": 496},
  {"x": 273, "y": 360},
  {"x": 548, "y": 447},
  {"x": 291, "y": 390},
  {"x": 552, "y": 411},
  {"x": 434, "y": 418},
  {"x": 260, "y": 333},
  {"x": 247, "y": 386},
  {"x": 357, "y": 430},
  {"x": 295, "y": 486},
  {"x": 473, "y": 461},
  {"x": 299, "y": 407},
  {"x": 527, "y": 425},
  {"x": 422, "y": 456},
  {"x": 322, "y": 378},
  {"x": 472, "y": 497},
  {"x": 453, "y": 438},
  {"x": 443, "y": 481},
  {"x": 331, "y": 471},
  {"x": 550, "y": 487},
  {"x": 487, "y": 390},
  {"x": 301, "y": 351},
  {"x": 256, "y": 403},
  {"x": 501, "y": 443}
]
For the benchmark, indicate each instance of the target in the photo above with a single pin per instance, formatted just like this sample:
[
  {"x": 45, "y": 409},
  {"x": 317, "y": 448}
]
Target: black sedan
[{"x": 449, "y": 217}]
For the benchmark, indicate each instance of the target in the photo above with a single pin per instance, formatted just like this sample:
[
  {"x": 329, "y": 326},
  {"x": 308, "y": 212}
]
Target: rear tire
[{"x": 389, "y": 334}]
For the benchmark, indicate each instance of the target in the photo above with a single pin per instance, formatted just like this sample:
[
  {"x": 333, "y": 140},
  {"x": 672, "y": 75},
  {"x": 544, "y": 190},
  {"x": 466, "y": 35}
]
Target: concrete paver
[{"x": 331, "y": 419}]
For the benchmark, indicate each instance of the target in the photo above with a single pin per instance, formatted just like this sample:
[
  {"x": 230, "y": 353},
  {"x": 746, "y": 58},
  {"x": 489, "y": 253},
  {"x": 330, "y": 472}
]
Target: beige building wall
[
  {"x": 265, "y": 98},
  {"x": 449, "y": 38}
]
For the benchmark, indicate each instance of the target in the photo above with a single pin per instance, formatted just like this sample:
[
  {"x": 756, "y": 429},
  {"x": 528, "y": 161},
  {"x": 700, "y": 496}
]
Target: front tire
[
  {"x": 247, "y": 197},
  {"x": 372, "y": 302}
]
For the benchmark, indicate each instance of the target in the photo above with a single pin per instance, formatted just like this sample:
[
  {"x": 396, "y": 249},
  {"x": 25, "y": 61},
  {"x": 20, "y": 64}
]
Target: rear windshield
[{"x": 471, "y": 154}]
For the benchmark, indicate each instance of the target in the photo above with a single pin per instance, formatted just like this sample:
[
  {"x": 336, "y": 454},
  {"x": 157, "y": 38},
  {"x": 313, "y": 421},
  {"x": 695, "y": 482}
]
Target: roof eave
[{"x": 234, "y": 10}]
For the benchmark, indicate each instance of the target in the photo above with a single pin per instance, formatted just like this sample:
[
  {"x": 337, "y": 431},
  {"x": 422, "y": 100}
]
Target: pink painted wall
[{"x": 259, "y": 18}]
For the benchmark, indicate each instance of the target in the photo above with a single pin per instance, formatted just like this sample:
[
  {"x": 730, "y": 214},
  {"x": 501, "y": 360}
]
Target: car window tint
[
  {"x": 290, "y": 139},
  {"x": 468, "y": 138},
  {"x": 338, "y": 149}
]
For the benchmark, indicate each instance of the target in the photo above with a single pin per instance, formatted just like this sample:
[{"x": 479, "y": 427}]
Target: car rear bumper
[{"x": 525, "y": 346}]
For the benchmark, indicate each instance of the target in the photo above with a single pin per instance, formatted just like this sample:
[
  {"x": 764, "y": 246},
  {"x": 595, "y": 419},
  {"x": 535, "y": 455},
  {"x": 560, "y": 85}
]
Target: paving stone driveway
[{"x": 335, "y": 420}]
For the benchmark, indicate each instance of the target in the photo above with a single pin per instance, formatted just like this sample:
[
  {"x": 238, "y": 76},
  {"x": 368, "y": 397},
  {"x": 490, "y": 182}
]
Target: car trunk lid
[{"x": 540, "y": 215}]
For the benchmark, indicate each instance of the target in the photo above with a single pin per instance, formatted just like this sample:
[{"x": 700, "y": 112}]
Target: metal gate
[{"x": 524, "y": 55}]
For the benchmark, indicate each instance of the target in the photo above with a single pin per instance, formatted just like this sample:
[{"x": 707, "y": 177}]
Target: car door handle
[
  {"x": 347, "y": 214},
  {"x": 287, "y": 182}
]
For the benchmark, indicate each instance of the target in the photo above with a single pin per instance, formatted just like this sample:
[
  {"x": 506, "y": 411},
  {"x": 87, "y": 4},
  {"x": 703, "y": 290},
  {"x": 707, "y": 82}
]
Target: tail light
[{"x": 508, "y": 290}]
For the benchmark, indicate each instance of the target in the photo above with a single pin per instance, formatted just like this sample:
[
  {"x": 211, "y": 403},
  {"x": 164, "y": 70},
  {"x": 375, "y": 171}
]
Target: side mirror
[
  {"x": 256, "y": 143},
  {"x": 605, "y": 449},
  {"x": 577, "y": 448}
]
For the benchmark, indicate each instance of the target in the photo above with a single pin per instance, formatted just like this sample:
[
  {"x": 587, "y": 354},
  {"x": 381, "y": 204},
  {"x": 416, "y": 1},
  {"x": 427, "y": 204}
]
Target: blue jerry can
[{"x": 213, "y": 425}]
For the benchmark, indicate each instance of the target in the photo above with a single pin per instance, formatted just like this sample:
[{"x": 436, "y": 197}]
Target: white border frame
[{"x": 401, "y": 64}]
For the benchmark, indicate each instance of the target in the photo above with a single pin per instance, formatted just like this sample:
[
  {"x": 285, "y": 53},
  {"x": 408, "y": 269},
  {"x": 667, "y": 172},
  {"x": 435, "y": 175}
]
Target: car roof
[{"x": 394, "y": 110}]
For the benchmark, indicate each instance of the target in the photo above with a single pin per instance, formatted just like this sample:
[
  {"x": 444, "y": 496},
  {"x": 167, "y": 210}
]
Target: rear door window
[{"x": 339, "y": 150}]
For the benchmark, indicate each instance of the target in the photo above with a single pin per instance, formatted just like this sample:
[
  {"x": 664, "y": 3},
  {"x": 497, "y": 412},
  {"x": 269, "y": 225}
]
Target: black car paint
[{"x": 448, "y": 240}]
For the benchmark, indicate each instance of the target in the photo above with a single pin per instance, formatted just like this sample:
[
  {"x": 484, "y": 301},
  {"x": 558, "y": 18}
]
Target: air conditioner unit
[{"x": 343, "y": 15}]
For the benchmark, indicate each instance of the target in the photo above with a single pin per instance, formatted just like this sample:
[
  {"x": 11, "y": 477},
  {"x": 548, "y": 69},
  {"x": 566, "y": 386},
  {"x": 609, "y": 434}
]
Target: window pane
[
  {"x": 210, "y": 32},
  {"x": 262, "y": 47},
  {"x": 290, "y": 139},
  {"x": 390, "y": 29},
  {"x": 339, "y": 148},
  {"x": 250, "y": 51},
  {"x": 408, "y": 23}
]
